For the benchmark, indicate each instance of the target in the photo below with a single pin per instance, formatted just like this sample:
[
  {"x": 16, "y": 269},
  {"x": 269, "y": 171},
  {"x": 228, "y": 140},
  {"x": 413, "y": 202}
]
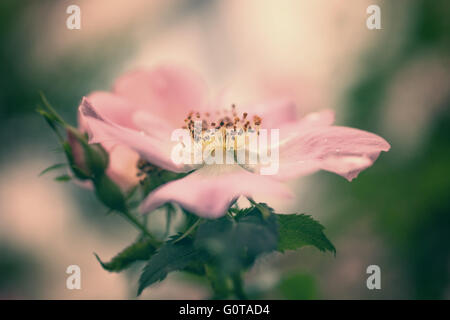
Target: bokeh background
[{"x": 393, "y": 81}]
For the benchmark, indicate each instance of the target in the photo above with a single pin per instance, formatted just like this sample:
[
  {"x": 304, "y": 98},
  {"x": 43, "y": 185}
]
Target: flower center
[
  {"x": 225, "y": 128},
  {"x": 224, "y": 119},
  {"x": 223, "y": 134}
]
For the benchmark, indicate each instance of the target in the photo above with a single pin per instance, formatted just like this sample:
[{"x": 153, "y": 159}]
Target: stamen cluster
[{"x": 224, "y": 126}]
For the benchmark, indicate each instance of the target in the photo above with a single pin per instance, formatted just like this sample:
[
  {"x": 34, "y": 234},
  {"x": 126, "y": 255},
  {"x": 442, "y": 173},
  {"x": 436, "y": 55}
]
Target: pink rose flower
[{"x": 146, "y": 106}]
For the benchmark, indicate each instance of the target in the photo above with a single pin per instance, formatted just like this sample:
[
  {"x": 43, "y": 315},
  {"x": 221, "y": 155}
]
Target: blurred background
[{"x": 393, "y": 81}]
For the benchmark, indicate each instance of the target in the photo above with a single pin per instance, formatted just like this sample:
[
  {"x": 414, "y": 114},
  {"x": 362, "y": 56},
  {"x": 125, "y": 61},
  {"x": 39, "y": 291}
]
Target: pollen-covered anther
[{"x": 225, "y": 124}]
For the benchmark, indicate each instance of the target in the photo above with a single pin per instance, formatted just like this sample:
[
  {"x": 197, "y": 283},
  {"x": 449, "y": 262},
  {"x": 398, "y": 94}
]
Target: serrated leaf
[
  {"x": 63, "y": 178},
  {"x": 138, "y": 251},
  {"x": 53, "y": 167},
  {"x": 235, "y": 243},
  {"x": 195, "y": 267},
  {"x": 170, "y": 257},
  {"x": 298, "y": 230}
]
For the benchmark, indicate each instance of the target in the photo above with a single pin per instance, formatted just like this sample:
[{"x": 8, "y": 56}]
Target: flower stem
[
  {"x": 219, "y": 284},
  {"x": 188, "y": 231},
  {"x": 238, "y": 286},
  {"x": 127, "y": 215}
]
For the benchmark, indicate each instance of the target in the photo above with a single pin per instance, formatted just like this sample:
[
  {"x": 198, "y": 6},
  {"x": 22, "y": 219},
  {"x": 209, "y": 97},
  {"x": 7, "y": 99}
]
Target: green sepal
[
  {"x": 138, "y": 251},
  {"x": 53, "y": 167},
  {"x": 109, "y": 193}
]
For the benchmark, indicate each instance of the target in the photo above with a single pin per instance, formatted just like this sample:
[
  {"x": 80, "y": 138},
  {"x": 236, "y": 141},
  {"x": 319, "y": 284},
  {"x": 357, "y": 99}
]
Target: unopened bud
[{"x": 87, "y": 160}]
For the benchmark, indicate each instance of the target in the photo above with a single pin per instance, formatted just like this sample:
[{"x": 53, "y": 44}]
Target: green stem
[
  {"x": 238, "y": 287},
  {"x": 219, "y": 284},
  {"x": 169, "y": 213},
  {"x": 188, "y": 231},
  {"x": 141, "y": 227}
]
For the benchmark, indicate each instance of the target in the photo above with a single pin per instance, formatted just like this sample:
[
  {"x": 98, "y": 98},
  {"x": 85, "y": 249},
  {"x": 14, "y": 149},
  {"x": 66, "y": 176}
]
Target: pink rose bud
[{"x": 87, "y": 160}]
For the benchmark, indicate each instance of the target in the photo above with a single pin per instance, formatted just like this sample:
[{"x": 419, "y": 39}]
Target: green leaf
[
  {"x": 170, "y": 257},
  {"x": 235, "y": 243},
  {"x": 298, "y": 230},
  {"x": 140, "y": 250},
  {"x": 53, "y": 167},
  {"x": 195, "y": 267},
  {"x": 257, "y": 231},
  {"x": 63, "y": 178}
]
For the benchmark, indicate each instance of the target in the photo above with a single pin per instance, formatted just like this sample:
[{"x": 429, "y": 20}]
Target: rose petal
[
  {"x": 114, "y": 107},
  {"x": 209, "y": 191},
  {"x": 275, "y": 113},
  {"x": 311, "y": 120},
  {"x": 167, "y": 92},
  {"x": 102, "y": 130},
  {"x": 122, "y": 167},
  {"x": 152, "y": 125},
  {"x": 345, "y": 151},
  {"x": 321, "y": 118}
]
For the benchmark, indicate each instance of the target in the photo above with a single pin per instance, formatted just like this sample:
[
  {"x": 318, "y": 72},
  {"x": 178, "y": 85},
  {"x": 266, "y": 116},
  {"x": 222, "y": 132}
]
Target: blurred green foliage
[
  {"x": 408, "y": 200},
  {"x": 298, "y": 286},
  {"x": 18, "y": 272}
]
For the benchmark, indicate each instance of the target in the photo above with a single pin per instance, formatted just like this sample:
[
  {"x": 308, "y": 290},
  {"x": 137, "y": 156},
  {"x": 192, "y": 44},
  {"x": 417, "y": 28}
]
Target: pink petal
[
  {"x": 342, "y": 150},
  {"x": 275, "y": 113},
  {"x": 112, "y": 107},
  {"x": 122, "y": 168},
  {"x": 77, "y": 151},
  {"x": 167, "y": 92},
  {"x": 209, "y": 191},
  {"x": 152, "y": 125},
  {"x": 321, "y": 118},
  {"x": 311, "y": 120},
  {"x": 104, "y": 131}
]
